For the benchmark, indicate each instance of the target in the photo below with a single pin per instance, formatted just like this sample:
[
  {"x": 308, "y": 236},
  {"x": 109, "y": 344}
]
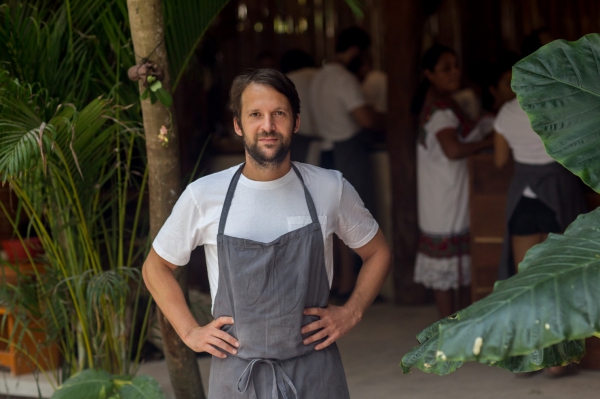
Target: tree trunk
[
  {"x": 403, "y": 31},
  {"x": 147, "y": 33}
]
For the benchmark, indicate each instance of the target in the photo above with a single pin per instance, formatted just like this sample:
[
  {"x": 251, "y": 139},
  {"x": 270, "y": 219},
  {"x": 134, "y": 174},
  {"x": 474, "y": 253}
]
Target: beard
[{"x": 259, "y": 156}]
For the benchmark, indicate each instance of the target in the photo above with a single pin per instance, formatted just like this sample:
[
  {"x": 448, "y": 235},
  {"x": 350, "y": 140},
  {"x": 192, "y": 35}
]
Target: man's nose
[{"x": 268, "y": 123}]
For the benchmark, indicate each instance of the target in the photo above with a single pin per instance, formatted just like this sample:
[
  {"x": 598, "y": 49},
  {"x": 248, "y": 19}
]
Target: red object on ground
[{"x": 15, "y": 250}]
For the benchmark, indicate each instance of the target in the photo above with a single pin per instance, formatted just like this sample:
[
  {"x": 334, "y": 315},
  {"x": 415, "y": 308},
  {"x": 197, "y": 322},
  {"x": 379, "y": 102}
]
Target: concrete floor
[{"x": 372, "y": 353}]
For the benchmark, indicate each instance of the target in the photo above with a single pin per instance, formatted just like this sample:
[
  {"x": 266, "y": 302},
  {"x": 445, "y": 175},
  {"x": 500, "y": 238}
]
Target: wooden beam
[{"x": 404, "y": 21}]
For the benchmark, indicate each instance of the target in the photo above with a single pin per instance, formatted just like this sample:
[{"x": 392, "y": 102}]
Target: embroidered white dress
[{"x": 443, "y": 258}]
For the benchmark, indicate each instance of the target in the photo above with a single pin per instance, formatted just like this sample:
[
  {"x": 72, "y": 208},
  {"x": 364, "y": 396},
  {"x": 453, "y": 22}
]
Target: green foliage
[
  {"x": 539, "y": 317},
  {"x": 87, "y": 384},
  {"x": 73, "y": 174},
  {"x": 533, "y": 320},
  {"x": 142, "y": 387},
  {"x": 357, "y": 7},
  {"x": 99, "y": 384},
  {"x": 559, "y": 88},
  {"x": 78, "y": 49},
  {"x": 185, "y": 24}
]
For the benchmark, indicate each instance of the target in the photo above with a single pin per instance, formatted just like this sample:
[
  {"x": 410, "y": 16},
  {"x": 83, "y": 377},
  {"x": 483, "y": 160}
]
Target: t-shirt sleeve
[
  {"x": 440, "y": 120},
  {"x": 500, "y": 124},
  {"x": 351, "y": 93},
  {"x": 355, "y": 225},
  {"x": 180, "y": 234}
]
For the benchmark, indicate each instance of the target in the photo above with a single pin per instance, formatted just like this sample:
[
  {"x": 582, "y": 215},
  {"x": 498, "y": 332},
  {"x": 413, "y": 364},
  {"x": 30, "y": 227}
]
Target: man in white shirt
[
  {"x": 266, "y": 226},
  {"x": 341, "y": 113},
  {"x": 299, "y": 66}
]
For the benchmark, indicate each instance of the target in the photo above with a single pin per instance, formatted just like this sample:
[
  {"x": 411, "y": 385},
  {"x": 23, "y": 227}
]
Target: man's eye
[
  {"x": 279, "y": 113},
  {"x": 254, "y": 114}
]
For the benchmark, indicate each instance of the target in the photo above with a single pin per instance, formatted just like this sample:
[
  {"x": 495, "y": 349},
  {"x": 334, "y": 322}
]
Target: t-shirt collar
[{"x": 286, "y": 179}]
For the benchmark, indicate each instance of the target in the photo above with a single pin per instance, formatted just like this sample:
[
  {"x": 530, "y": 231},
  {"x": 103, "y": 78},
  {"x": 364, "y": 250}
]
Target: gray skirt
[{"x": 556, "y": 187}]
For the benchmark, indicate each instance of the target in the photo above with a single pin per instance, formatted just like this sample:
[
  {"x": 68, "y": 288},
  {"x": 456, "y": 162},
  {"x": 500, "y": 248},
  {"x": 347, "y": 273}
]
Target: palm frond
[{"x": 185, "y": 24}]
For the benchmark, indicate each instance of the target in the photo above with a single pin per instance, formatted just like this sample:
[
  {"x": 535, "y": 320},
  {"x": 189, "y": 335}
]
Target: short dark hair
[
  {"x": 353, "y": 36},
  {"x": 267, "y": 77},
  {"x": 532, "y": 42},
  {"x": 294, "y": 60}
]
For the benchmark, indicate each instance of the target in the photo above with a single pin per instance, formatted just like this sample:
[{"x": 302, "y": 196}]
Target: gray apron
[
  {"x": 265, "y": 287},
  {"x": 556, "y": 187}
]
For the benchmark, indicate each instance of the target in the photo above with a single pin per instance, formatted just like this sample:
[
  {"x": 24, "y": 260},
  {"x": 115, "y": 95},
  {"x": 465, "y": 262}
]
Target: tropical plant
[
  {"x": 100, "y": 384},
  {"x": 540, "y": 317},
  {"x": 74, "y": 173}
]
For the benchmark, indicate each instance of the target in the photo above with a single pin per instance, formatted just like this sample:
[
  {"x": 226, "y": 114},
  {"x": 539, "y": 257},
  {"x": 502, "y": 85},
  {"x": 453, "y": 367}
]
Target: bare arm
[
  {"x": 455, "y": 149},
  {"x": 160, "y": 280},
  {"x": 337, "y": 321},
  {"x": 501, "y": 150},
  {"x": 365, "y": 117}
]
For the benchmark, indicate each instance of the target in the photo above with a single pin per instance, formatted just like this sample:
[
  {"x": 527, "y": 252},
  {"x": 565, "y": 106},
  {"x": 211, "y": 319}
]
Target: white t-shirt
[
  {"x": 527, "y": 147},
  {"x": 441, "y": 119},
  {"x": 334, "y": 94},
  {"x": 442, "y": 183},
  {"x": 302, "y": 78},
  {"x": 375, "y": 88},
  {"x": 263, "y": 211}
]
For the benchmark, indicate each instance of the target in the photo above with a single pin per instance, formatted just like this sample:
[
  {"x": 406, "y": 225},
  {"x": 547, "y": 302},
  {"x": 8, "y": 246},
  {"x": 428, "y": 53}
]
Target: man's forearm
[
  {"x": 167, "y": 294},
  {"x": 371, "y": 278}
]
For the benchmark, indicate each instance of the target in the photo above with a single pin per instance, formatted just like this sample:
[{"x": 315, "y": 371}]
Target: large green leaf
[
  {"x": 533, "y": 320},
  {"x": 558, "y": 86},
  {"x": 142, "y": 387},
  {"x": 85, "y": 385}
]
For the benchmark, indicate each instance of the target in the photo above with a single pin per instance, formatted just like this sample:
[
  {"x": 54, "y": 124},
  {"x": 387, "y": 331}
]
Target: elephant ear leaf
[
  {"x": 535, "y": 319},
  {"x": 86, "y": 384},
  {"x": 142, "y": 387},
  {"x": 558, "y": 86}
]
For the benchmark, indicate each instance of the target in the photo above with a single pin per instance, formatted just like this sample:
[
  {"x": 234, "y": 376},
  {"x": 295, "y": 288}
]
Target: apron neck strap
[
  {"x": 231, "y": 190},
  {"x": 309, "y": 201}
]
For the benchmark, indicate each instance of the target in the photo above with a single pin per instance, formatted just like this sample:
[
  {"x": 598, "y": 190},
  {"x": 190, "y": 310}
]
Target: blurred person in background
[
  {"x": 374, "y": 84},
  {"x": 443, "y": 259},
  {"x": 299, "y": 66},
  {"x": 340, "y": 113}
]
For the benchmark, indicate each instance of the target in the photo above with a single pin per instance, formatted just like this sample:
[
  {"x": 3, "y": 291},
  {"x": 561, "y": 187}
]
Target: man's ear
[
  {"x": 297, "y": 124},
  {"x": 237, "y": 127}
]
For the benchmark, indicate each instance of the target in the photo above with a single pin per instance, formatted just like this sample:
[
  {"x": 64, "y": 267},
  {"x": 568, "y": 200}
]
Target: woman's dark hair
[
  {"x": 428, "y": 62},
  {"x": 267, "y": 77},
  {"x": 533, "y": 42},
  {"x": 295, "y": 59},
  {"x": 506, "y": 60}
]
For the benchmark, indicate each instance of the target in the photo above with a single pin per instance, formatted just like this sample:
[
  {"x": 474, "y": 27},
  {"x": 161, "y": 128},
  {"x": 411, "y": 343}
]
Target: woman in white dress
[{"x": 443, "y": 260}]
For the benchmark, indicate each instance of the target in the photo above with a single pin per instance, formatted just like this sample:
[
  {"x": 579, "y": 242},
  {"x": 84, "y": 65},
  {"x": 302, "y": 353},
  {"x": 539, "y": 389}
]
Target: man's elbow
[{"x": 145, "y": 273}]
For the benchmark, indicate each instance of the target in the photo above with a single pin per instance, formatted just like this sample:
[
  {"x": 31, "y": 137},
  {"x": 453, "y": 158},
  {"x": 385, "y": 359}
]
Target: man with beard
[{"x": 267, "y": 226}]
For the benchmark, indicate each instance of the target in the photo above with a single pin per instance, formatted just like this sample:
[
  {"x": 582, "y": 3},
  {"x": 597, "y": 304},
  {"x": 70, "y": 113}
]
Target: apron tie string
[{"x": 281, "y": 381}]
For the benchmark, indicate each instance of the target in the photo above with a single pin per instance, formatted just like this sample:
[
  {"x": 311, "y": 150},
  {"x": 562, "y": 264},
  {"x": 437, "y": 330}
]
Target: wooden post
[
  {"x": 403, "y": 32},
  {"x": 147, "y": 33}
]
